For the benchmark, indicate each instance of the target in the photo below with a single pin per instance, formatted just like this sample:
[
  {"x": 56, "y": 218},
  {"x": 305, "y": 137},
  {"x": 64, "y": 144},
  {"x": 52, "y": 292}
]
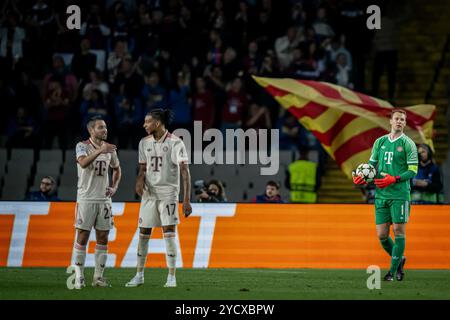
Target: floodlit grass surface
[{"x": 224, "y": 284}]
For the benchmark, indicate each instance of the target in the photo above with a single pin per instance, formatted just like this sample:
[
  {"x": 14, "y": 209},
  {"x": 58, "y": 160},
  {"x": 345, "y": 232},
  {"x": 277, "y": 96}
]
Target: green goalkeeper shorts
[{"x": 395, "y": 211}]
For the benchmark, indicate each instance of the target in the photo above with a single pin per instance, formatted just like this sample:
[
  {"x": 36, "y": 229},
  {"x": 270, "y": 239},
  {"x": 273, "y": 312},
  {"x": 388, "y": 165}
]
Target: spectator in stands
[
  {"x": 203, "y": 104},
  {"x": 115, "y": 58},
  {"x": 291, "y": 133},
  {"x": 213, "y": 193},
  {"x": 94, "y": 29},
  {"x": 91, "y": 106},
  {"x": 271, "y": 195},
  {"x": 233, "y": 111},
  {"x": 22, "y": 130},
  {"x": 285, "y": 45},
  {"x": 121, "y": 29},
  {"x": 258, "y": 117},
  {"x": 426, "y": 186},
  {"x": 128, "y": 81},
  {"x": 11, "y": 43},
  {"x": 179, "y": 102},
  {"x": 68, "y": 80},
  {"x": 343, "y": 72},
  {"x": 321, "y": 27},
  {"x": 129, "y": 118},
  {"x": 303, "y": 179},
  {"x": 47, "y": 191},
  {"x": 83, "y": 62},
  {"x": 153, "y": 93},
  {"x": 57, "y": 105},
  {"x": 96, "y": 83}
]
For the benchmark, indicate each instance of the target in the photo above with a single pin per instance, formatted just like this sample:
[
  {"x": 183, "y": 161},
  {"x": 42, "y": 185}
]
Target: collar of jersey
[
  {"x": 390, "y": 140},
  {"x": 92, "y": 142},
  {"x": 162, "y": 139}
]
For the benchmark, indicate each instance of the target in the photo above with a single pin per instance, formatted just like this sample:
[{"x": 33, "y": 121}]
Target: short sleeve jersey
[
  {"x": 394, "y": 157},
  {"x": 162, "y": 159},
  {"x": 93, "y": 180}
]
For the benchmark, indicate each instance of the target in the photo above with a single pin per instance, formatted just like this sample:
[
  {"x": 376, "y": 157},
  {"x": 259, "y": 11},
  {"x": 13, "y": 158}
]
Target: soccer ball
[{"x": 366, "y": 171}]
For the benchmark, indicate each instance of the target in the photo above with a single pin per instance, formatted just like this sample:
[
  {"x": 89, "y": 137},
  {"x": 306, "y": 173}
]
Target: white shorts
[
  {"x": 158, "y": 213},
  {"x": 97, "y": 215}
]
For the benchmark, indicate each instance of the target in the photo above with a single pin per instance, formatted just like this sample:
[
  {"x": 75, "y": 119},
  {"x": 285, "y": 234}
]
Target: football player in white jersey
[
  {"x": 93, "y": 208},
  {"x": 162, "y": 158}
]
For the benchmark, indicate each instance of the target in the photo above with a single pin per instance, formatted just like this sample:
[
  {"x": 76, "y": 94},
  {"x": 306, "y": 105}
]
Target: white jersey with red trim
[
  {"x": 94, "y": 179},
  {"x": 162, "y": 159}
]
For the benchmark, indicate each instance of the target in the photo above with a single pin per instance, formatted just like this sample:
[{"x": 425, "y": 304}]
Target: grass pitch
[{"x": 223, "y": 284}]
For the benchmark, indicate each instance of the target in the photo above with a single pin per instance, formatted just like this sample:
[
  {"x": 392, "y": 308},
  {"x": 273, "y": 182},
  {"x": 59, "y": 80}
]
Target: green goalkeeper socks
[
  {"x": 388, "y": 245},
  {"x": 397, "y": 252}
]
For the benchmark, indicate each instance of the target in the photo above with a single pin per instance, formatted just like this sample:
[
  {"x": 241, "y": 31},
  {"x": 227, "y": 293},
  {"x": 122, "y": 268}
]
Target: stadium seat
[
  {"x": 70, "y": 156},
  {"x": 200, "y": 172},
  {"x": 68, "y": 179},
  {"x": 51, "y": 155},
  {"x": 22, "y": 155},
  {"x": 67, "y": 193}
]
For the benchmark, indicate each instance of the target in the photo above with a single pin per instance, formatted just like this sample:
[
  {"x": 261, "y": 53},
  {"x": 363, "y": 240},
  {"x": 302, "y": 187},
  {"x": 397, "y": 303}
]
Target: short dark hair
[
  {"x": 91, "y": 122},
  {"x": 273, "y": 184},
  {"x": 163, "y": 115},
  {"x": 399, "y": 111}
]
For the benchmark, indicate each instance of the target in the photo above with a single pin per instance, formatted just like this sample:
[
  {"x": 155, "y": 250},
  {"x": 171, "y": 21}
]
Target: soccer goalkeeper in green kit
[{"x": 395, "y": 157}]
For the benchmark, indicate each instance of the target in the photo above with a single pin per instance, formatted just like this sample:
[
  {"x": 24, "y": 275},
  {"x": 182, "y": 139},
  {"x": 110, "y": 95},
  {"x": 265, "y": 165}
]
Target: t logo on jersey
[
  {"x": 100, "y": 168},
  {"x": 388, "y": 156},
  {"x": 156, "y": 163}
]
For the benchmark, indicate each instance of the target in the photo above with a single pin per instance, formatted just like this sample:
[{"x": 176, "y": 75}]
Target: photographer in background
[{"x": 212, "y": 192}]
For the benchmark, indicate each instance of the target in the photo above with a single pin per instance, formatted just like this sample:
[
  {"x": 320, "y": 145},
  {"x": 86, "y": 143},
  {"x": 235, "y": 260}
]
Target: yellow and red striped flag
[{"x": 346, "y": 122}]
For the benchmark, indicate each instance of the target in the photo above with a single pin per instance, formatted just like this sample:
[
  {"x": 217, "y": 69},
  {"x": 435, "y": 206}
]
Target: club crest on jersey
[
  {"x": 399, "y": 149},
  {"x": 80, "y": 221},
  {"x": 165, "y": 148}
]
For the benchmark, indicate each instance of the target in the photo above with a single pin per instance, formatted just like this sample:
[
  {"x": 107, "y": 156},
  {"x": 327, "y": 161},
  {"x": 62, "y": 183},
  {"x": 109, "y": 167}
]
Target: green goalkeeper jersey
[{"x": 394, "y": 157}]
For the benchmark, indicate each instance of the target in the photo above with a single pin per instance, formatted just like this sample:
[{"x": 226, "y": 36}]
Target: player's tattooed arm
[
  {"x": 184, "y": 169},
  {"x": 140, "y": 180},
  {"x": 85, "y": 161}
]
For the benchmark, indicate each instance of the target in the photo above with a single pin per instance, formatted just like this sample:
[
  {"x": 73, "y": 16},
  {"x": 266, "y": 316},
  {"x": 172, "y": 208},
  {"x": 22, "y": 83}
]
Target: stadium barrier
[{"x": 36, "y": 234}]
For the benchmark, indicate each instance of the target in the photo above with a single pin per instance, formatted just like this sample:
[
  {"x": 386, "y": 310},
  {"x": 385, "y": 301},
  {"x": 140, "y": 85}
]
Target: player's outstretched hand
[
  {"x": 358, "y": 179},
  {"x": 108, "y": 148},
  {"x": 386, "y": 181},
  {"x": 187, "y": 209},
  {"x": 110, "y": 191}
]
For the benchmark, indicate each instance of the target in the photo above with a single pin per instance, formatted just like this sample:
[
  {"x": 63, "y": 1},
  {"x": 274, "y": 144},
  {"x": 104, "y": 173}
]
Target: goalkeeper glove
[
  {"x": 386, "y": 181},
  {"x": 358, "y": 179}
]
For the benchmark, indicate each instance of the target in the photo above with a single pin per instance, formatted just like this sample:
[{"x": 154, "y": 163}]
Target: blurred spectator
[
  {"x": 179, "y": 102},
  {"x": 22, "y": 131},
  {"x": 336, "y": 46},
  {"x": 94, "y": 29},
  {"x": 285, "y": 45},
  {"x": 57, "y": 105},
  {"x": 121, "y": 29},
  {"x": 213, "y": 192},
  {"x": 257, "y": 117},
  {"x": 93, "y": 104},
  {"x": 217, "y": 86},
  {"x": 129, "y": 118},
  {"x": 271, "y": 195},
  {"x": 115, "y": 58},
  {"x": 343, "y": 72},
  {"x": 235, "y": 105},
  {"x": 83, "y": 62},
  {"x": 231, "y": 66},
  {"x": 61, "y": 73},
  {"x": 95, "y": 83},
  {"x": 215, "y": 51},
  {"x": 291, "y": 133},
  {"x": 426, "y": 185},
  {"x": 154, "y": 95},
  {"x": 11, "y": 40},
  {"x": 47, "y": 191},
  {"x": 203, "y": 104},
  {"x": 321, "y": 27},
  {"x": 253, "y": 60},
  {"x": 128, "y": 81},
  {"x": 303, "y": 179},
  {"x": 217, "y": 18}
]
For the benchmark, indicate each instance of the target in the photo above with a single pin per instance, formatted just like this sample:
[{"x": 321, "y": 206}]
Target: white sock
[
  {"x": 79, "y": 257},
  {"x": 142, "y": 252},
  {"x": 101, "y": 254},
  {"x": 171, "y": 251}
]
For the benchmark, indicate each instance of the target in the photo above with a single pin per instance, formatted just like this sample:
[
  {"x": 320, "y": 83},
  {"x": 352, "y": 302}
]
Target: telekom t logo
[
  {"x": 156, "y": 163},
  {"x": 388, "y": 156}
]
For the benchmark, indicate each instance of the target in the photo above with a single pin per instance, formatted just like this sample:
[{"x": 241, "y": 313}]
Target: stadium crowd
[{"x": 193, "y": 56}]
